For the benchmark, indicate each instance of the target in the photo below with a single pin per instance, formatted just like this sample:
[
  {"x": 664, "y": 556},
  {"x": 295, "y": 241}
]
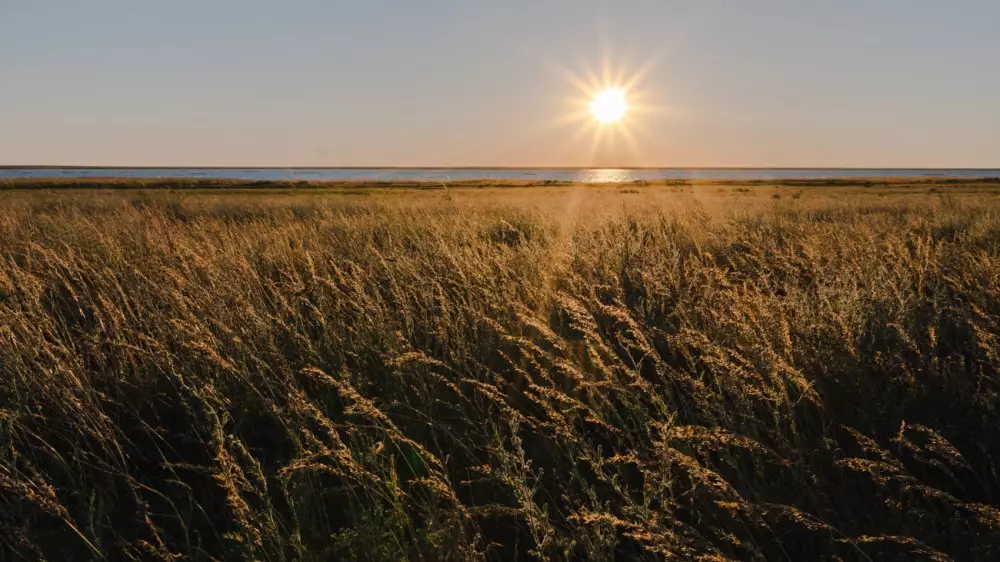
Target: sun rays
[{"x": 609, "y": 111}]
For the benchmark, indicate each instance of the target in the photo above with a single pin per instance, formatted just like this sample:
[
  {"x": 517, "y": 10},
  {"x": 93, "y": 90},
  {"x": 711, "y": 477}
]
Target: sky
[{"x": 863, "y": 83}]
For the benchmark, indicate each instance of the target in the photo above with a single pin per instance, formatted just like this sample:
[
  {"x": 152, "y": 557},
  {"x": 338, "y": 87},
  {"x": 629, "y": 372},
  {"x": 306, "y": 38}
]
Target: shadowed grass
[{"x": 568, "y": 373}]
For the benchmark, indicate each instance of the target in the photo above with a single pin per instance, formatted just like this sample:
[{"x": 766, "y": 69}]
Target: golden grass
[{"x": 565, "y": 372}]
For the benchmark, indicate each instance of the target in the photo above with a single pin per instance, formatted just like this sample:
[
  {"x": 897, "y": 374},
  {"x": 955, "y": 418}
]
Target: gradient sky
[{"x": 873, "y": 83}]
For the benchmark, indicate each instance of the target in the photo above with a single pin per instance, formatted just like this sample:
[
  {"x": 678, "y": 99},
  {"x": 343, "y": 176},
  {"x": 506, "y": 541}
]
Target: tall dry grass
[{"x": 578, "y": 374}]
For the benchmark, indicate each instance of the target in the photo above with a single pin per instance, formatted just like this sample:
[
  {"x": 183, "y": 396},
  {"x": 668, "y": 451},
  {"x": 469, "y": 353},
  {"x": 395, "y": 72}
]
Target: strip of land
[{"x": 237, "y": 184}]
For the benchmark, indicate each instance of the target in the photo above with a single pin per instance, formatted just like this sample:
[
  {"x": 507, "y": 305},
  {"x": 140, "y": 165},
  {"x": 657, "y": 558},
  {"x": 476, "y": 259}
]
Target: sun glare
[
  {"x": 610, "y": 111},
  {"x": 609, "y": 106}
]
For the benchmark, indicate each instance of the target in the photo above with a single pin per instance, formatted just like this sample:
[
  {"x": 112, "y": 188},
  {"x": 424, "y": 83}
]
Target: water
[{"x": 585, "y": 175}]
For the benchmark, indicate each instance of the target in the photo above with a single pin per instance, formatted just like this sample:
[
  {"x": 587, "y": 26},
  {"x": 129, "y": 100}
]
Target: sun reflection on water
[{"x": 603, "y": 175}]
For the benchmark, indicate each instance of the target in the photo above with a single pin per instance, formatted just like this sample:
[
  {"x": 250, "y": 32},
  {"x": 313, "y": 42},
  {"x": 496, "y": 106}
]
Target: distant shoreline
[
  {"x": 223, "y": 184},
  {"x": 506, "y": 176}
]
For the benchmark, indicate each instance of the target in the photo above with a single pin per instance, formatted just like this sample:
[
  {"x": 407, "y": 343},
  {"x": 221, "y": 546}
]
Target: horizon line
[{"x": 120, "y": 167}]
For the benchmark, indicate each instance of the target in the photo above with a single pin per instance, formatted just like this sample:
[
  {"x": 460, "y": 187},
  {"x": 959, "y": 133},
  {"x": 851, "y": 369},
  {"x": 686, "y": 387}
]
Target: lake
[{"x": 584, "y": 175}]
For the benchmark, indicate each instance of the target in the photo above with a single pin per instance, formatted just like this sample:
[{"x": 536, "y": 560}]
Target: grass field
[{"x": 690, "y": 371}]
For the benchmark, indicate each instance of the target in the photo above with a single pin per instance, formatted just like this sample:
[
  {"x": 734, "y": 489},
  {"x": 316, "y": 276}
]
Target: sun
[{"x": 609, "y": 106}]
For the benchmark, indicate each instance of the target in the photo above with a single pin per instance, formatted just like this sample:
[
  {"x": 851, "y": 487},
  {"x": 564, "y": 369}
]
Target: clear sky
[{"x": 865, "y": 83}]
